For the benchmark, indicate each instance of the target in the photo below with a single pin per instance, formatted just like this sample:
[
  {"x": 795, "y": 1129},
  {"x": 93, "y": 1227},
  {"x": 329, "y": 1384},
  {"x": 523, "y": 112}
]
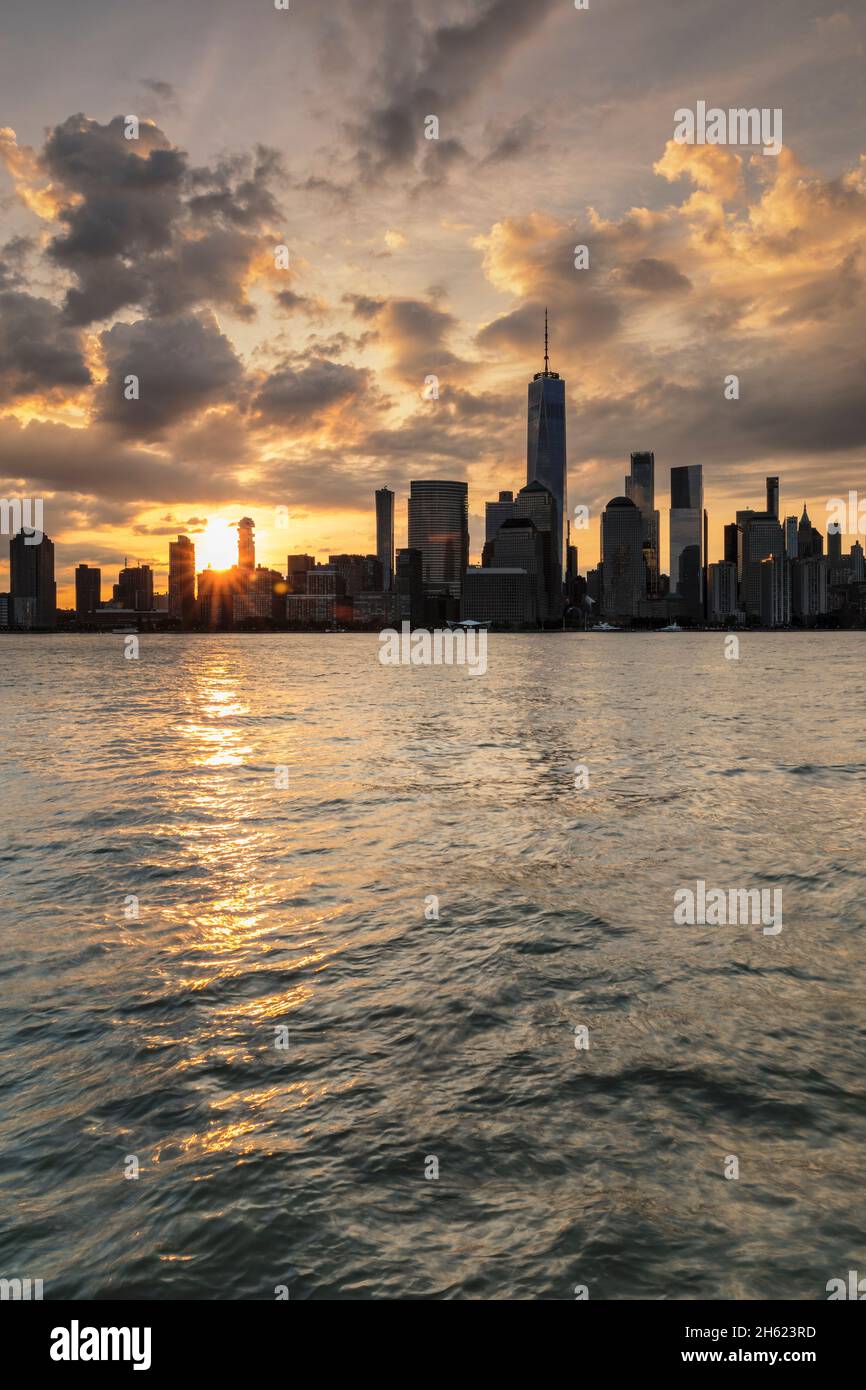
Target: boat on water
[
  {"x": 469, "y": 625},
  {"x": 605, "y": 627},
  {"x": 671, "y": 627}
]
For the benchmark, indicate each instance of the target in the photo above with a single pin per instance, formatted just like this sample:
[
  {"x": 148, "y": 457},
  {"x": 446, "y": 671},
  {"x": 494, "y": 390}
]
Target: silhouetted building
[
  {"x": 5, "y": 605},
  {"x": 362, "y": 573},
  {"x": 622, "y": 558},
  {"x": 834, "y": 545},
  {"x": 181, "y": 580},
  {"x": 687, "y": 529},
  {"x": 536, "y": 503},
  {"x": 545, "y": 446},
  {"x": 505, "y": 597},
  {"x": 775, "y": 589},
  {"x": 88, "y": 590},
  {"x": 217, "y": 591},
  {"x": 33, "y": 593},
  {"x": 640, "y": 489},
  {"x": 722, "y": 590},
  {"x": 409, "y": 580},
  {"x": 519, "y": 545},
  {"x": 857, "y": 562},
  {"x": 497, "y": 512},
  {"x": 134, "y": 588},
  {"x": 762, "y": 537},
  {"x": 246, "y": 544},
  {"x": 810, "y": 588},
  {"x": 439, "y": 528},
  {"x": 260, "y": 597},
  {"x": 791, "y": 537},
  {"x": 385, "y": 535},
  {"x": 297, "y": 567},
  {"x": 773, "y": 497}
]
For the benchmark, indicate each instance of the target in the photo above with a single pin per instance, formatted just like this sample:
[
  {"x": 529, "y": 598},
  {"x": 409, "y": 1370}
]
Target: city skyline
[{"x": 300, "y": 380}]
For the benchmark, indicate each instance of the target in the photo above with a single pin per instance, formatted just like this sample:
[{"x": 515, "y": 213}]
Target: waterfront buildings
[
  {"x": 623, "y": 569},
  {"x": 32, "y": 590},
  {"x": 687, "y": 537},
  {"x": 181, "y": 579}
]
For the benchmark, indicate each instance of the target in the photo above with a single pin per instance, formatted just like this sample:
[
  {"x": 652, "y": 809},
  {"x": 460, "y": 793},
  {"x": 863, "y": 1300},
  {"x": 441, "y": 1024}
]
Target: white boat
[
  {"x": 605, "y": 627},
  {"x": 468, "y": 625},
  {"x": 671, "y": 627}
]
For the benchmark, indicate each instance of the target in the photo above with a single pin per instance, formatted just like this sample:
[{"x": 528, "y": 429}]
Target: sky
[{"x": 288, "y": 385}]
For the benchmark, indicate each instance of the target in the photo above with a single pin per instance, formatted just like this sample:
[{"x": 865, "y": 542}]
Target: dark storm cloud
[
  {"x": 183, "y": 365},
  {"x": 655, "y": 277},
  {"x": 434, "y": 71},
  {"x": 40, "y": 355},
  {"x": 300, "y": 396},
  {"x": 143, "y": 229}
]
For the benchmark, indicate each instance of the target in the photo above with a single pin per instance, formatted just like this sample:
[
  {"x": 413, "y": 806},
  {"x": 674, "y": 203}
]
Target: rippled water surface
[{"x": 411, "y": 1038}]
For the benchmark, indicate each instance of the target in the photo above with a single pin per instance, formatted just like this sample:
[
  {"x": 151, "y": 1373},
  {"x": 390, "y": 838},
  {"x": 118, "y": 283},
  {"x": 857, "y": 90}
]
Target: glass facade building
[
  {"x": 687, "y": 557},
  {"x": 439, "y": 529}
]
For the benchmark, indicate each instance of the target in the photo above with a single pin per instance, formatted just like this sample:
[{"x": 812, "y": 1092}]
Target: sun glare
[{"x": 217, "y": 546}]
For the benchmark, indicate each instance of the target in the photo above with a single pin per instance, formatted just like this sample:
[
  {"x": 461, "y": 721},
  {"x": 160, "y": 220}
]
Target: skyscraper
[
  {"x": 246, "y": 544},
  {"x": 773, "y": 497},
  {"x": 622, "y": 558},
  {"x": 385, "y": 535},
  {"x": 181, "y": 579},
  {"x": 88, "y": 590},
  {"x": 439, "y": 528},
  {"x": 687, "y": 535},
  {"x": 640, "y": 489},
  {"x": 495, "y": 513},
  {"x": 762, "y": 538},
  {"x": 33, "y": 592},
  {"x": 134, "y": 588},
  {"x": 545, "y": 445}
]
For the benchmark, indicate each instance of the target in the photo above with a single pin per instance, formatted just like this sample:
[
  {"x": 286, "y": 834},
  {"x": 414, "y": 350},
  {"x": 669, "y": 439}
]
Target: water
[{"x": 409, "y": 1038}]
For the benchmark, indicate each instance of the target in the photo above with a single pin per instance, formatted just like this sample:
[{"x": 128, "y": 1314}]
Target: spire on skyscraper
[{"x": 546, "y": 360}]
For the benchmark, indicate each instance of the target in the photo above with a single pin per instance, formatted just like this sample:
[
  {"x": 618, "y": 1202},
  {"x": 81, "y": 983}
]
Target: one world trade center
[{"x": 545, "y": 444}]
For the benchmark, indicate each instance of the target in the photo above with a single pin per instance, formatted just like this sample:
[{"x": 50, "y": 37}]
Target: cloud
[
  {"x": 184, "y": 365},
  {"x": 140, "y": 228},
  {"x": 40, "y": 355}
]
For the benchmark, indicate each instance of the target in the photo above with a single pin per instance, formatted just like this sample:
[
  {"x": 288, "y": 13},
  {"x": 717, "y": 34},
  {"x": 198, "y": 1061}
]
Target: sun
[{"x": 217, "y": 545}]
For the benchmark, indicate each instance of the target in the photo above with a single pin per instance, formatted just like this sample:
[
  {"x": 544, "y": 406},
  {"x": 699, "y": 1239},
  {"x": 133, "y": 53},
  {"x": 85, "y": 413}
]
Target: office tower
[
  {"x": 134, "y": 588},
  {"x": 721, "y": 590},
  {"x": 857, "y": 562},
  {"x": 497, "y": 512},
  {"x": 505, "y": 597},
  {"x": 773, "y": 497},
  {"x": 33, "y": 592},
  {"x": 791, "y": 537},
  {"x": 537, "y": 503},
  {"x": 810, "y": 587},
  {"x": 623, "y": 569},
  {"x": 296, "y": 572},
  {"x": 774, "y": 589},
  {"x": 217, "y": 592},
  {"x": 762, "y": 537},
  {"x": 687, "y": 535},
  {"x": 545, "y": 445},
  {"x": 520, "y": 545},
  {"x": 88, "y": 590},
  {"x": 363, "y": 573},
  {"x": 834, "y": 545},
  {"x": 5, "y": 605},
  {"x": 439, "y": 528},
  {"x": 734, "y": 547},
  {"x": 385, "y": 534},
  {"x": 246, "y": 544},
  {"x": 264, "y": 597},
  {"x": 805, "y": 531},
  {"x": 640, "y": 489},
  {"x": 409, "y": 581},
  {"x": 181, "y": 579}
]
